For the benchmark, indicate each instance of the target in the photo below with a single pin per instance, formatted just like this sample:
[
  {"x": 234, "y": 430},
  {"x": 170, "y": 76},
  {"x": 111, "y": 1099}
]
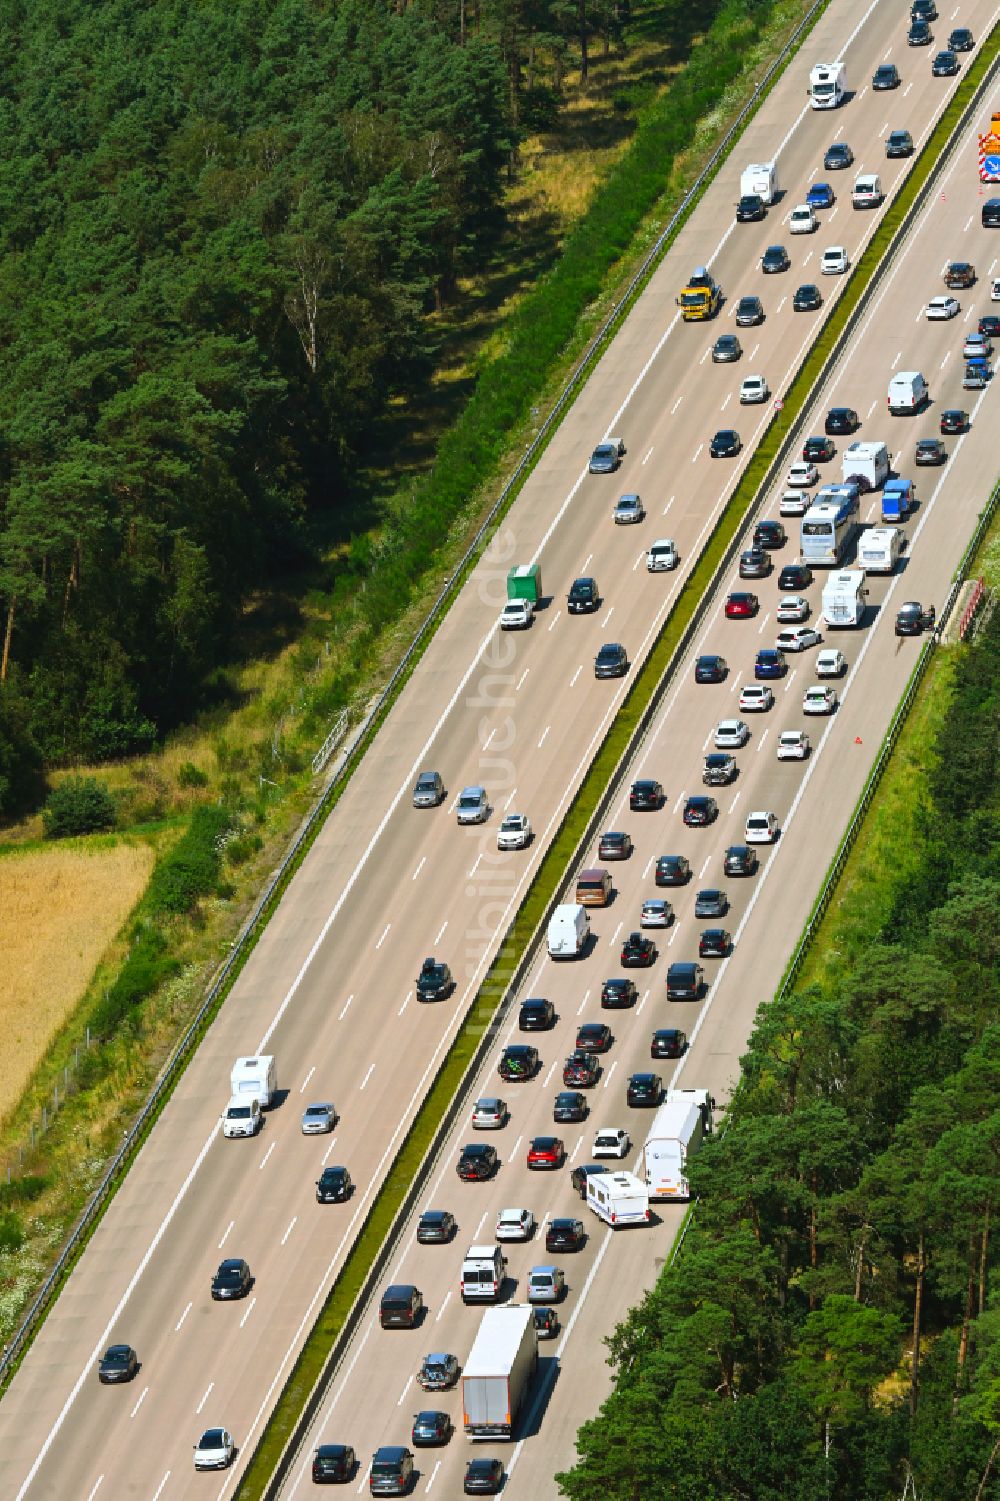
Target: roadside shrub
[
  {"x": 11, "y": 1233},
  {"x": 191, "y": 869},
  {"x": 190, "y": 775},
  {"x": 239, "y": 850},
  {"x": 145, "y": 968},
  {"x": 79, "y": 805},
  {"x": 22, "y": 1190}
]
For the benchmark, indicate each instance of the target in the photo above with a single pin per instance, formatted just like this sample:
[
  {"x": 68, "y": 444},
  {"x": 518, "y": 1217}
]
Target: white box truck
[
  {"x": 760, "y": 180},
  {"x": 844, "y": 599},
  {"x": 618, "y": 1199},
  {"x": 255, "y": 1079},
  {"x": 880, "y": 548},
  {"x": 828, "y": 85},
  {"x": 866, "y": 464},
  {"x": 498, "y": 1372},
  {"x": 700, "y": 1097},
  {"x": 569, "y": 928},
  {"x": 677, "y": 1132}
]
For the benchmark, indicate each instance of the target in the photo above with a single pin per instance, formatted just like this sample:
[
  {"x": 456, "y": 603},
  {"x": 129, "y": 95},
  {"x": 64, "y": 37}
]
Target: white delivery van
[
  {"x": 867, "y": 465},
  {"x": 880, "y": 548},
  {"x": 760, "y": 179},
  {"x": 677, "y": 1132},
  {"x": 828, "y": 85},
  {"x": 255, "y": 1079},
  {"x": 908, "y": 392},
  {"x": 867, "y": 191},
  {"x": 618, "y": 1199},
  {"x": 844, "y": 599},
  {"x": 569, "y": 928},
  {"x": 483, "y": 1271}
]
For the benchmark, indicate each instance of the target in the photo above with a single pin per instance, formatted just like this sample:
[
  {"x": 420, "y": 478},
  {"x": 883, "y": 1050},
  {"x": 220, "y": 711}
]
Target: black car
[
  {"x": 435, "y": 1227},
  {"x": 923, "y": 10},
  {"x": 333, "y": 1464},
  {"x": 989, "y": 323},
  {"x": 565, "y": 1235},
  {"x": 818, "y": 450},
  {"x": 754, "y": 563},
  {"x": 886, "y": 76},
  {"x": 644, "y": 1089},
  {"x": 807, "y": 299},
  {"x": 774, "y": 259},
  {"x": 919, "y": 34},
  {"x": 232, "y": 1280},
  {"x": 593, "y": 1037},
  {"x": 477, "y": 1162},
  {"x": 749, "y": 312},
  {"x": 930, "y": 451},
  {"x": 769, "y": 534},
  {"x": 740, "y": 860},
  {"x": 991, "y": 213},
  {"x": 750, "y": 208},
  {"x": 546, "y": 1322},
  {"x": 333, "y": 1186},
  {"x": 700, "y": 810},
  {"x": 578, "y": 1177},
  {"x": 619, "y": 994},
  {"x": 584, "y": 597},
  {"x": 899, "y": 143},
  {"x": 638, "y": 952},
  {"x": 719, "y": 769},
  {"x": 611, "y": 661},
  {"x": 839, "y": 155},
  {"x": 795, "y": 576},
  {"x": 118, "y": 1363},
  {"x": 570, "y": 1106},
  {"x": 518, "y": 1062},
  {"x": 646, "y": 796},
  {"x": 536, "y": 1016},
  {"x": 430, "y": 1428},
  {"x": 434, "y": 981},
  {"x": 726, "y": 349},
  {"x": 945, "y": 65},
  {"x": 483, "y": 1477},
  {"x": 685, "y": 981},
  {"x": 581, "y": 1069},
  {"x": 401, "y": 1306},
  {"x": 711, "y": 902},
  {"x": 841, "y": 420},
  {"x": 954, "y": 420},
  {"x": 668, "y": 1042},
  {"x": 614, "y": 847},
  {"x": 672, "y": 870},
  {"x": 961, "y": 40},
  {"x": 714, "y": 943},
  {"x": 725, "y": 444},
  {"x": 710, "y": 669},
  {"x": 912, "y": 619}
]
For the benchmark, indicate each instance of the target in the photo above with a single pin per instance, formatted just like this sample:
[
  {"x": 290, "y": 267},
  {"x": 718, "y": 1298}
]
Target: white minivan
[{"x": 908, "y": 392}]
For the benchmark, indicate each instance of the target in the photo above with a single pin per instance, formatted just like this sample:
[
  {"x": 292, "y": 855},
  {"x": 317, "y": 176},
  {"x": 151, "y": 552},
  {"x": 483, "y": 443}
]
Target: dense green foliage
[
  {"x": 828, "y": 1322},
  {"x": 79, "y": 805}
]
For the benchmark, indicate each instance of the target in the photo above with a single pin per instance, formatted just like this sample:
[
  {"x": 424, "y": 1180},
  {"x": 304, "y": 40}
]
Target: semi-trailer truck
[{"x": 498, "y": 1372}]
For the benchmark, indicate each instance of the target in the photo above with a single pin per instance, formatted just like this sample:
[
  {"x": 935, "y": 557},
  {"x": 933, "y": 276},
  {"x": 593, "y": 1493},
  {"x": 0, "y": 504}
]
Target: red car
[
  {"x": 741, "y": 605},
  {"x": 581, "y": 1070},
  {"x": 546, "y": 1151}
]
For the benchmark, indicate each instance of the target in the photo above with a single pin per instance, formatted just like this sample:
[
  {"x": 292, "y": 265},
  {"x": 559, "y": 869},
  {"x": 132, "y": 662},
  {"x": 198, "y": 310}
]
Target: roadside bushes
[
  {"x": 191, "y": 869},
  {"x": 79, "y": 805}
]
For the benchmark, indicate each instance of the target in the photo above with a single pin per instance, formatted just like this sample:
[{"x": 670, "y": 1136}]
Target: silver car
[
  {"x": 730, "y": 734},
  {"x": 318, "y": 1119},
  {"x": 629, "y": 509},
  {"x": 656, "y": 913},
  {"x": 473, "y": 805},
  {"x": 429, "y": 790},
  {"x": 546, "y": 1284},
  {"x": 489, "y": 1113}
]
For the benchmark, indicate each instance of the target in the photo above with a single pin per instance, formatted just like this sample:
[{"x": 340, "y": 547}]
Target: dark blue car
[{"x": 770, "y": 663}]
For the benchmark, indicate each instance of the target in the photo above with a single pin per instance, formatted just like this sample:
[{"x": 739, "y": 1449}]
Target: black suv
[
  {"x": 807, "y": 299},
  {"x": 570, "y": 1106},
  {"x": 536, "y": 1016},
  {"x": 518, "y": 1063},
  {"x": 684, "y": 982},
  {"x": 333, "y": 1464},
  {"x": 740, "y": 860},
  {"x": 644, "y": 1089},
  {"x": 672, "y": 870},
  {"x": 565, "y": 1235},
  {"x": 401, "y": 1306},
  {"x": 611, "y": 661},
  {"x": 750, "y": 209},
  {"x": 584, "y": 597},
  {"x": 646, "y": 796},
  {"x": 841, "y": 420},
  {"x": 478, "y": 1161},
  {"x": 434, "y": 981},
  {"x": 991, "y": 213},
  {"x": 749, "y": 311}
]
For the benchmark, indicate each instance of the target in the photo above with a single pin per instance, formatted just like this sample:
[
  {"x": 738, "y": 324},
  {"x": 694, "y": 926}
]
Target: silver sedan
[{"x": 318, "y": 1119}]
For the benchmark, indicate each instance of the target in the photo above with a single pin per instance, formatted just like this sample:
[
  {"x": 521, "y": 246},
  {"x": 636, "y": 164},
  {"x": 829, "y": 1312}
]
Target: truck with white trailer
[
  {"x": 760, "y": 180},
  {"x": 844, "y": 599},
  {"x": 498, "y": 1372},
  {"x": 828, "y": 85},
  {"x": 677, "y": 1132},
  {"x": 880, "y": 548},
  {"x": 619, "y": 1199}
]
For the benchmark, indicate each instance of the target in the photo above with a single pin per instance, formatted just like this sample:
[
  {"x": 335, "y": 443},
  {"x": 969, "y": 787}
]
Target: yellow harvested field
[{"x": 59, "y": 910}]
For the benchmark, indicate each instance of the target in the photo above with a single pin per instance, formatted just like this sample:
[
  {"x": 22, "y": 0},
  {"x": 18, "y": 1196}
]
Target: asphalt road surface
[{"x": 329, "y": 989}]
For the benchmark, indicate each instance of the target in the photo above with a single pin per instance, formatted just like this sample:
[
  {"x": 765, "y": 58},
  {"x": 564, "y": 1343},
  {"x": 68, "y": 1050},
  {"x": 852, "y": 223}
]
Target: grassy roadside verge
[{"x": 552, "y": 869}]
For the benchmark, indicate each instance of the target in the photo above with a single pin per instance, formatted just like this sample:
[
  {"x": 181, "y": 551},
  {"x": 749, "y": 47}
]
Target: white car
[
  {"x": 489, "y": 1114},
  {"x": 215, "y": 1450},
  {"x": 656, "y": 913},
  {"x": 754, "y": 390},
  {"x": 514, "y": 832},
  {"x": 662, "y": 556},
  {"x": 834, "y": 261},
  {"x": 802, "y": 220},
  {"x": 761, "y": 828},
  {"x": 830, "y": 663},
  {"x": 819, "y": 700},
  {"x": 611, "y": 1141},
  {"x": 797, "y": 638},
  {"x": 793, "y": 745},
  {"x": 977, "y": 347},
  {"x": 995, "y": 289},
  {"x": 802, "y": 473},
  {"x": 730, "y": 734},
  {"x": 629, "y": 509},
  {"x": 794, "y": 503},
  {"x": 941, "y": 308},
  {"x": 473, "y": 805},
  {"x": 517, "y": 615},
  {"x": 515, "y": 1224},
  {"x": 792, "y": 607},
  {"x": 756, "y": 697},
  {"x": 319, "y": 1119}
]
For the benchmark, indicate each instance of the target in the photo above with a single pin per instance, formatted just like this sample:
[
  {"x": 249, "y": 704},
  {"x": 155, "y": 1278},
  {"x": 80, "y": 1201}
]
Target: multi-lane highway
[{"x": 329, "y": 989}]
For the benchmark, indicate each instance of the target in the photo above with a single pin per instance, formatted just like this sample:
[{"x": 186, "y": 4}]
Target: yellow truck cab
[{"x": 701, "y": 298}]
